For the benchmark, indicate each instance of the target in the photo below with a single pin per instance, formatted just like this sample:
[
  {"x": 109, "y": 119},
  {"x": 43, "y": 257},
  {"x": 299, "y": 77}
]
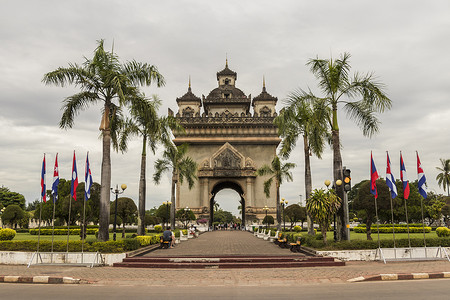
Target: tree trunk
[
  {"x": 105, "y": 193},
  {"x": 323, "y": 229},
  {"x": 173, "y": 207},
  {"x": 369, "y": 230},
  {"x": 308, "y": 182},
  {"x": 278, "y": 207},
  {"x": 342, "y": 233},
  {"x": 142, "y": 190},
  {"x": 123, "y": 230}
]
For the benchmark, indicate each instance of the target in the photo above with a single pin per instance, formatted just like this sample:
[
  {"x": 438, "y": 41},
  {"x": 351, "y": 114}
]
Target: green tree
[
  {"x": 185, "y": 216},
  {"x": 301, "y": 117},
  {"x": 126, "y": 210},
  {"x": 222, "y": 216},
  {"x": 365, "y": 202},
  {"x": 163, "y": 213},
  {"x": 146, "y": 124},
  {"x": 322, "y": 205},
  {"x": 362, "y": 98},
  {"x": 443, "y": 178},
  {"x": 278, "y": 172},
  {"x": 12, "y": 215},
  {"x": 268, "y": 220},
  {"x": 182, "y": 166},
  {"x": 295, "y": 213},
  {"x": 103, "y": 79},
  {"x": 9, "y": 198}
]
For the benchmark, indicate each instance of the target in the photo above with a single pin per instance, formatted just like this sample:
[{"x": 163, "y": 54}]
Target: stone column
[{"x": 249, "y": 195}]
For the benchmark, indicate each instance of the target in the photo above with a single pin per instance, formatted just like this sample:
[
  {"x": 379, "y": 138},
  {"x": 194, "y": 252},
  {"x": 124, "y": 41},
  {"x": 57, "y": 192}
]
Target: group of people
[
  {"x": 169, "y": 235},
  {"x": 226, "y": 226}
]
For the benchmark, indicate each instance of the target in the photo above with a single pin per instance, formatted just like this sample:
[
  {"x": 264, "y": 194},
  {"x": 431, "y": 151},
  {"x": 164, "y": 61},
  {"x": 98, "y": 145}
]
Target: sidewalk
[{"x": 227, "y": 277}]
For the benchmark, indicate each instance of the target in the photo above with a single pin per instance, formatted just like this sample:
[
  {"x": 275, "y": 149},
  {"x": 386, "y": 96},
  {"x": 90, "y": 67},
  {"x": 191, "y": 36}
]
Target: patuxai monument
[{"x": 230, "y": 136}]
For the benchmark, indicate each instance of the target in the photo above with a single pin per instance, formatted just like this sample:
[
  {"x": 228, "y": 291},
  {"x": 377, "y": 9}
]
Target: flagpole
[
  {"x": 423, "y": 195},
  {"x": 68, "y": 223},
  {"x": 83, "y": 229},
  {"x": 40, "y": 208},
  {"x": 53, "y": 227},
  {"x": 407, "y": 223},
  {"x": 423, "y": 226},
  {"x": 392, "y": 218},
  {"x": 39, "y": 232},
  {"x": 378, "y": 223}
]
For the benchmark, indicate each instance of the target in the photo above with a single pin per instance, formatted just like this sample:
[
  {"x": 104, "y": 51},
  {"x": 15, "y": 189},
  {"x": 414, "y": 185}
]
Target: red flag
[{"x": 373, "y": 177}]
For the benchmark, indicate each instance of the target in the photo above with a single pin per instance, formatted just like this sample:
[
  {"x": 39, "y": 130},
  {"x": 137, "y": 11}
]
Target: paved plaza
[{"x": 210, "y": 244}]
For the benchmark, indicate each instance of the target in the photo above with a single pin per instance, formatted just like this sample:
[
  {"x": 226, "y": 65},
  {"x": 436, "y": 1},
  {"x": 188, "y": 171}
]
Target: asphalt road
[{"x": 417, "y": 289}]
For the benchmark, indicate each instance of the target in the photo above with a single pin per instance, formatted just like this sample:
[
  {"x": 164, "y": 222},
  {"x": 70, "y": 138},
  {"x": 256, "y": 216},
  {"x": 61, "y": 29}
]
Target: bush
[
  {"x": 147, "y": 239},
  {"x": 158, "y": 228},
  {"x": 442, "y": 232},
  {"x": 62, "y": 231},
  {"x": 7, "y": 234},
  {"x": 388, "y": 229},
  {"x": 297, "y": 228}
]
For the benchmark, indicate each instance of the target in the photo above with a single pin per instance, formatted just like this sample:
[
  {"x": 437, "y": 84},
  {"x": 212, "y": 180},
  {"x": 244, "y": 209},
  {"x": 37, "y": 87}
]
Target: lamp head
[
  {"x": 327, "y": 182},
  {"x": 338, "y": 182},
  {"x": 123, "y": 187}
]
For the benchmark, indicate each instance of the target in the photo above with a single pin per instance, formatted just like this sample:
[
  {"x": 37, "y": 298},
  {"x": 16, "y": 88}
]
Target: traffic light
[{"x": 347, "y": 179}]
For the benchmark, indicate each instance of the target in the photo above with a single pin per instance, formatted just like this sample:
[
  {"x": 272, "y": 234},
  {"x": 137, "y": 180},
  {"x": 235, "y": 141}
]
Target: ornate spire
[
  {"x": 264, "y": 83},
  {"x": 226, "y": 60},
  {"x": 189, "y": 89}
]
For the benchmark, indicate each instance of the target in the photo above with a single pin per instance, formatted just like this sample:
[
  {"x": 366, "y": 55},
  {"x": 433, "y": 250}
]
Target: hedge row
[
  {"x": 442, "y": 232},
  {"x": 7, "y": 234},
  {"x": 74, "y": 246},
  {"x": 386, "y": 229},
  {"x": 75, "y": 231},
  {"x": 313, "y": 242},
  {"x": 145, "y": 240}
]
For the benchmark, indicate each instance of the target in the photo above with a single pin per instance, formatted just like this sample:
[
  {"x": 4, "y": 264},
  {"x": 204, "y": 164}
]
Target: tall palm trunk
[
  {"x": 278, "y": 207},
  {"x": 173, "y": 207},
  {"x": 308, "y": 182},
  {"x": 337, "y": 173},
  {"x": 103, "y": 230},
  {"x": 142, "y": 190}
]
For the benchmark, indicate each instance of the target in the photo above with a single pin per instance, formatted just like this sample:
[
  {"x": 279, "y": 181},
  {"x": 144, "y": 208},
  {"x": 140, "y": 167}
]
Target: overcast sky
[{"x": 405, "y": 43}]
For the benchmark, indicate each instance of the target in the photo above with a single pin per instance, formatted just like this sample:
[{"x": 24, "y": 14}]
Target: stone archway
[{"x": 226, "y": 184}]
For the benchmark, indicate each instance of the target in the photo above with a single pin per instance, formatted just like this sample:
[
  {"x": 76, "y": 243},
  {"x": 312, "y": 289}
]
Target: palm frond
[
  {"x": 267, "y": 185},
  {"x": 72, "y": 106},
  {"x": 363, "y": 116}
]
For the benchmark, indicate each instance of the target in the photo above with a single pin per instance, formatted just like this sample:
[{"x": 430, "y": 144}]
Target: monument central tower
[{"x": 229, "y": 142}]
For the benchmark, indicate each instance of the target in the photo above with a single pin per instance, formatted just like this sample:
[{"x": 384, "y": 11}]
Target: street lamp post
[
  {"x": 167, "y": 204},
  {"x": 117, "y": 192},
  {"x": 186, "y": 215},
  {"x": 267, "y": 220},
  {"x": 283, "y": 203}
]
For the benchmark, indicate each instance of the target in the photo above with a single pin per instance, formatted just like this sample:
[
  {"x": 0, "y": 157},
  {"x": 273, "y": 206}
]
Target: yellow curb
[
  {"x": 420, "y": 275},
  {"x": 70, "y": 280},
  {"x": 389, "y": 276},
  {"x": 446, "y": 274},
  {"x": 356, "y": 279}
]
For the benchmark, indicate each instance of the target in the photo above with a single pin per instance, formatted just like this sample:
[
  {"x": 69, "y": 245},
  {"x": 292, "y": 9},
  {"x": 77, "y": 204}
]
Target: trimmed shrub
[
  {"x": 440, "y": 231},
  {"x": 398, "y": 229},
  {"x": 7, "y": 234},
  {"x": 148, "y": 239},
  {"x": 158, "y": 228},
  {"x": 62, "y": 231},
  {"x": 297, "y": 228}
]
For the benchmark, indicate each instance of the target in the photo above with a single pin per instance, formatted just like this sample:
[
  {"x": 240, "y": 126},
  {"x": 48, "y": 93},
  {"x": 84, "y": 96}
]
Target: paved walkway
[
  {"x": 226, "y": 277},
  {"x": 224, "y": 243}
]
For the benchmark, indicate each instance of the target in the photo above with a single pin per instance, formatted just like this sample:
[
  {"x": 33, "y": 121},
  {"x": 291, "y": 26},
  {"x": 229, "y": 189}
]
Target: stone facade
[{"x": 229, "y": 143}]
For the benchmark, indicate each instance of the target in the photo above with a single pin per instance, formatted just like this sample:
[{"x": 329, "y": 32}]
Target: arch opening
[{"x": 223, "y": 192}]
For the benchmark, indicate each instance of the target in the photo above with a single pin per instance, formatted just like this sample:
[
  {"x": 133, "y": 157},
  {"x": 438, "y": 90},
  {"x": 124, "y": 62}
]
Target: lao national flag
[
  {"x": 390, "y": 180},
  {"x": 422, "y": 179},
  {"x": 43, "y": 196},
  {"x": 87, "y": 179},
  {"x": 373, "y": 177},
  {"x": 74, "y": 185},
  {"x": 403, "y": 178},
  {"x": 55, "y": 180}
]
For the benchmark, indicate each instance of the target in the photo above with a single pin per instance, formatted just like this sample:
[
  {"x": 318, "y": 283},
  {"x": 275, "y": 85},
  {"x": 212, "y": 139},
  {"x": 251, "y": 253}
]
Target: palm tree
[
  {"x": 145, "y": 123},
  {"x": 278, "y": 172},
  {"x": 103, "y": 79},
  {"x": 322, "y": 205},
  {"x": 361, "y": 96},
  {"x": 443, "y": 178},
  {"x": 183, "y": 167},
  {"x": 308, "y": 119}
]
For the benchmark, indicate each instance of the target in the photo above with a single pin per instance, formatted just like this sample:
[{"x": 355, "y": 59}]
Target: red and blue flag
[
  {"x": 43, "y": 196},
  {"x": 422, "y": 181},
  {"x": 373, "y": 177},
  {"x": 404, "y": 178},
  {"x": 55, "y": 180},
  {"x": 390, "y": 180},
  {"x": 87, "y": 179},
  {"x": 74, "y": 184}
]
